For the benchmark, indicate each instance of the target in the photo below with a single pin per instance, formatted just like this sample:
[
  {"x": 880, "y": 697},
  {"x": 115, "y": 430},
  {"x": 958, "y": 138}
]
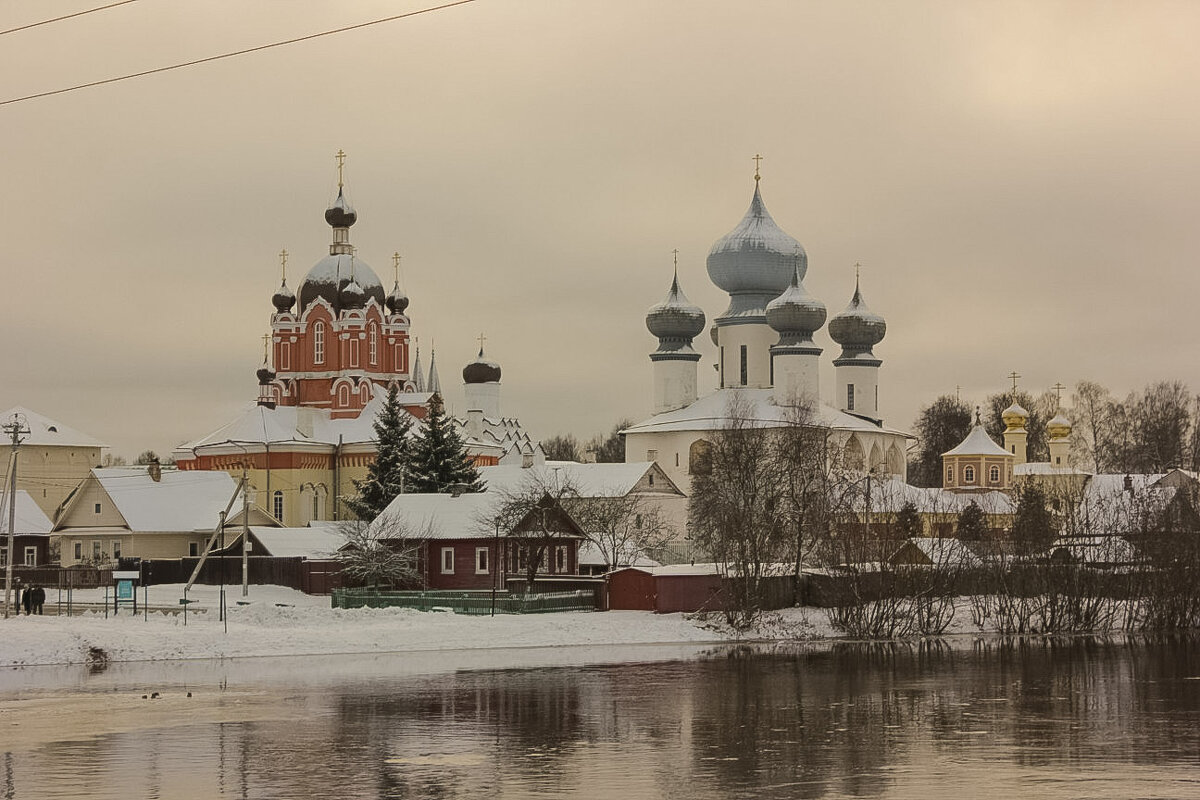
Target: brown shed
[
  {"x": 666, "y": 590},
  {"x": 631, "y": 589}
]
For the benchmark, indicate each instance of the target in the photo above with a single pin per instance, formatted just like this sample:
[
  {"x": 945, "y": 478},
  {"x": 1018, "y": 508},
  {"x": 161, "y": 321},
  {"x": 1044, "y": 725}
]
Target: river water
[{"x": 1072, "y": 718}]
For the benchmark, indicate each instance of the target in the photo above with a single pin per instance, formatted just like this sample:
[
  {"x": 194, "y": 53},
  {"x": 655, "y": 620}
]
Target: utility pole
[
  {"x": 16, "y": 429},
  {"x": 245, "y": 533}
]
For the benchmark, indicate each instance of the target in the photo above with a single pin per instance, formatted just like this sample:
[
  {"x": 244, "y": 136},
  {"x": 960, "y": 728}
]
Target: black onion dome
[
  {"x": 283, "y": 299},
  {"x": 858, "y": 328},
  {"x": 481, "y": 370},
  {"x": 265, "y": 375},
  {"x": 397, "y": 301},
  {"x": 352, "y": 295},
  {"x": 796, "y": 312},
  {"x": 676, "y": 317},
  {"x": 341, "y": 214}
]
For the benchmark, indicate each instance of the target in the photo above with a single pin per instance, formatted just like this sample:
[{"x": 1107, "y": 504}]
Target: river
[{"x": 1069, "y": 718}]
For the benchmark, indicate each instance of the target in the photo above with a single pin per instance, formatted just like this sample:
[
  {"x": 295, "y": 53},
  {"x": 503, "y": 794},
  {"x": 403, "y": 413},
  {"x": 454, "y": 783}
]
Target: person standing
[
  {"x": 17, "y": 599},
  {"x": 39, "y": 599},
  {"x": 27, "y": 600}
]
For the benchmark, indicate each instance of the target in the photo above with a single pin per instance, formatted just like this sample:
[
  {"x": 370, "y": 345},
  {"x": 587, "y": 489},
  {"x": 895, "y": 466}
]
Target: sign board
[
  {"x": 126, "y": 574},
  {"x": 184, "y": 601},
  {"x": 124, "y": 591}
]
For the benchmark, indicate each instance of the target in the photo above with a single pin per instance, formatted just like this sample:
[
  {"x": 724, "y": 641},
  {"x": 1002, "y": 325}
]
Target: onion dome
[
  {"x": 352, "y": 295},
  {"x": 1059, "y": 427},
  {"x": 675, "y": 321},
  {"x": 857, "y": 329},
  {"x": 1014, "y": 417},
  {"x": 332, "y": 274},
  {"x": 265, "y": 375},
  {"x": 796, "y": 315},
  {"x": 283, "y": 299},
  {"x": 341, "y": 214},
  {"x": 754, "y": 262},
  {"x": 397, "y": 301},
  {"x": 481, "y": 370}
]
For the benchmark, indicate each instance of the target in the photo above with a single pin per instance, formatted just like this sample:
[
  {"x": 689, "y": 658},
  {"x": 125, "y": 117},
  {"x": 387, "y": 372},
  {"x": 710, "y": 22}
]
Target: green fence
[{"x": 467, "y": 602}]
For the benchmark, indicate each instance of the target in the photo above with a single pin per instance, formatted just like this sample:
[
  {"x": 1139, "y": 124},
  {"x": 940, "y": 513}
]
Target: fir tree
[
  {"x": 972, "y": 526},
  {"x": 908, "y": 522},
  {"x": 386, "y": 477},
  {"x": 439, "y": 458},
  {"x": 1033, "y": 528}
]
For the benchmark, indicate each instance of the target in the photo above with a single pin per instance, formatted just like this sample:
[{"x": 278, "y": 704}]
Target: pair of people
[{"x": 32, "y": 599}]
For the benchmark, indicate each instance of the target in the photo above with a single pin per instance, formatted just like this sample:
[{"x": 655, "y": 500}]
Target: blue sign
[{"x": 125, "y": 591}]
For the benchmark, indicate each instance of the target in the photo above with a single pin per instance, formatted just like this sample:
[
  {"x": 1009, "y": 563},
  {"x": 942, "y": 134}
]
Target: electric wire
[
  {"x": 233, "y": 54},
  {"x": 66, "y": 16}
]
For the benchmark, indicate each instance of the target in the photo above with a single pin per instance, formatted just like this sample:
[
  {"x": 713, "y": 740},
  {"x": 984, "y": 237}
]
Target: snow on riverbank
[{"x": 280, "y": 621}]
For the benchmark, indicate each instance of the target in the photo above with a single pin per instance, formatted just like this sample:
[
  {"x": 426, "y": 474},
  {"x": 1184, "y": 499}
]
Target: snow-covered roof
[
  {"x": 470, "y": 515},
  {"x": 944, "y": 553},
  {"x": 45, "y": 431},
  {"x": 590, "y": 556},
  {"x": 1044, "y": 468},
  {"x": 189, "y": 500},
  {"x": 1108, "y": 507},
  {"x": 711, "y": 412},
  {"x": 890, "y": 494},
  {"x": 29, "y": 516},
  {"x": 315, "y": 542},
  {"x": 590, "y": 480},
  {"x": 978, "y": 443},
  {"x": 1095, "y": 549}
]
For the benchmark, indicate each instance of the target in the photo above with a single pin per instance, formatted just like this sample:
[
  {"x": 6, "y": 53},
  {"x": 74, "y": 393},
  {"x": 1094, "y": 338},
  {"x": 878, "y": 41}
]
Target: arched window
[
  {"x": 373, "y": 344},
  {"x": 994, "y": 474},
  {"x": 343, "y": 395},
  {"x": 278, "y": 505},
  {"x": 318, "y": 342},
  {"x": 698, "y": 461},
  {"x": 949, "y": 473},
  {"x": 968, "y": 474}
]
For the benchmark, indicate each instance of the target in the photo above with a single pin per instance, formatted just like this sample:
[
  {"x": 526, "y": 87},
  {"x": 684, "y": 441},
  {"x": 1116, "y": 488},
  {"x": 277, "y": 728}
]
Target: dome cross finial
[
  {"x": 1013, "y": 377},
  {"x": 266, "y": 346},
  {"x": 757, "y": 160},
  {"x": 283, "y": 254},
  {"x": 396, "y": 265},
  {"x": 482, "y": 339},
  {"x": 1058, "y": 390},
  {"x": 675, "y": 256},
  {"x": 341, "y": 159}
]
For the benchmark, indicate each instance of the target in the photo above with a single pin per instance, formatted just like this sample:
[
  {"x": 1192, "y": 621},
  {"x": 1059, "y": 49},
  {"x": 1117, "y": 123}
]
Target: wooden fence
[{"x": 478, "y": 602}]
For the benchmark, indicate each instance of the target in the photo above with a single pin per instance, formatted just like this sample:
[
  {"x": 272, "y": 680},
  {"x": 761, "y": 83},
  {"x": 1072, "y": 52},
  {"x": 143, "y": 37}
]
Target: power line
[
  {"x": 234, "y": 53},
  {"x": 66, "y": 16}
]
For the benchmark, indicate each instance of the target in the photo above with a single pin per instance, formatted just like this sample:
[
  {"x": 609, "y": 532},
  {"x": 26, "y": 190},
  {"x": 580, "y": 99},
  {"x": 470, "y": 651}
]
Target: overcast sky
[{"x": 1018, "y": 180}]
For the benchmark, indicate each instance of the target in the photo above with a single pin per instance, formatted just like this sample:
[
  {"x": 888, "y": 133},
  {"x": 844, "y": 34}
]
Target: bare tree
[
  {"x": 386, "y": 552},
  {"x": 622, "y": 527},
  {"x": 534, "y": 518}
]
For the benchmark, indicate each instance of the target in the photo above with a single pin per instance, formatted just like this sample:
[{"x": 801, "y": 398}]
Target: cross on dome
[
  {"x": 757, "y": 160},
  {"x": 341, "y": 159},
  {"x": 283, "y": 254},
  {"x": 1013, "y": 375}
]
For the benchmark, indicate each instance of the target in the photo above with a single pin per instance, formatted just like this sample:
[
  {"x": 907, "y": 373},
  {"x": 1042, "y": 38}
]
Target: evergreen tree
[
  {"x": 908, "y": 522},
  {"x": 386, "y": 477},
  {"x": 1033, "y": 528},
  {"x": 940, "y": 426},
  {"x": 972, "y": 527},
  {"x": 439, "y": 458}
]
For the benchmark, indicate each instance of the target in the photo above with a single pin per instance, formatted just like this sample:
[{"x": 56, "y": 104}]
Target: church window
[
  {"x": 285, "y": 356},
  {"x": 994, "y": 474},
  {"x": 849, "y": 396},
  {"x": 318, "y": 342},
  {"x": 698, "y": 461},
  {"x": 278, "y": 505},
  {"x": 354, "y": 352},
  {"x": 950, "y": 474},
  {"x": 968, "y": 474},
  {"x": 373, "y": 344},
  {"x": 343, "y": 395},
  {"x": 744, "y": 366}
]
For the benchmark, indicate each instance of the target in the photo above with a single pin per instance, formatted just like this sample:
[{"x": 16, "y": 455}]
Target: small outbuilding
[{"x": 667, "y": 590}]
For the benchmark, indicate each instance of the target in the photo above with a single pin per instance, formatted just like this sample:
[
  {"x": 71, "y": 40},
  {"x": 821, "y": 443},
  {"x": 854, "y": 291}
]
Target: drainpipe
[{"x": 337, "y": 475}]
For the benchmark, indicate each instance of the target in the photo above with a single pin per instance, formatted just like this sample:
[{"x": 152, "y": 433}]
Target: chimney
[{"x": 155, "y": 470}]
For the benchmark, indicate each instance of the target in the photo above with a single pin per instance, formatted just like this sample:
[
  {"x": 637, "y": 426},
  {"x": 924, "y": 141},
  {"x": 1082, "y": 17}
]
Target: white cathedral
[{"x": 766, "y": 355}]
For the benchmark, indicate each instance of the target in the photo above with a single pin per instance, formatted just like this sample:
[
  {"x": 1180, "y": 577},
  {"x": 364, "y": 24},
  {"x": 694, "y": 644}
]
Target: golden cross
[
  {"x": 958, "y": 393},
  {"x": 283, "y": 263},
  {"x": 757, "y": 160},
  {"x": 675, "y": 254},
  {"x": 396, "y": 265},
  {"x": 482, "y": 338},
  {"x": 1014, "y": 377},
  {"x": 266, "y": 346},
  {"x": 1058, "y": 390},
  {"x": 341, "y": 159}
]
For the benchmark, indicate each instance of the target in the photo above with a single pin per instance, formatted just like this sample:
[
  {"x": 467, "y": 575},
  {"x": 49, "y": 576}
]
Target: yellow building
[{"x": 53, "y": 458}]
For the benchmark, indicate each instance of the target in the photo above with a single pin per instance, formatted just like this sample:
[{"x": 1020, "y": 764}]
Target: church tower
[
  {"x": 345, "y": 336},
  {"x": 858, "y": 329},
  {"x": 754, "y": 263},
  {"x": 795, "y": 359},
  {"x": 1016, "y": 437},
  {"x": 676, "y": 322},
  {"x": 1059, "y": 431}
]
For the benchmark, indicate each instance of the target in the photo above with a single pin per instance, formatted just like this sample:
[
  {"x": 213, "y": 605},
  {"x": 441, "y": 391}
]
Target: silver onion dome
[
  {"x": 283, "y": 299},
  {"x": 397, "y": 301},
  {"x": 858, "y": 328},
  {"x": 481, "y": 370},
  {"x": 341, "y": 214},
  {"x": 675, "y": 321},
  {"x": 754, "y": 262},
  {"x": 796, "y": 315}
]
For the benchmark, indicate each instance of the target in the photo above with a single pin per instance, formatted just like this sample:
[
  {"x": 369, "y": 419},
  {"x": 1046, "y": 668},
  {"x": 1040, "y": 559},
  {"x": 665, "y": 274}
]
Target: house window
[
  {"x": 193, "y": 549},
  {"x": 97, "y": 508},
  {"x": 481, "y": 561},
  {"x": 447, "y": 560},
  {"x": 560, "y": 559},
  {"x": 745, "y": 366},
  {"x": 318, "y": 342},
  {"x": 116, "y": 549},
  {"x": 968, "y": 474},
  {"x": 96, "y": 551},
  {"x": 373, "y": 344},
  {"x": 31, "y": 556},
  {"x": 79, "y": 551},
  {"x": 277, "y": 502},
  {"x": 651, "y": 476},
  {"x": 354, "y": 352},
  {"x": 994, "y": 474},
  {"x": 849, "y": 396}
]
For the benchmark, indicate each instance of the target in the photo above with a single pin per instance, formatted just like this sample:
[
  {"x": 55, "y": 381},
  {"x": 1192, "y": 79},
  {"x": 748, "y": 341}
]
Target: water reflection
[{"x": 848, "y": 720}]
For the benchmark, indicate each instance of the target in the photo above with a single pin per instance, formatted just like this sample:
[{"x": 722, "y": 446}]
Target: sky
[{"x": 1018, "y": 181}]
